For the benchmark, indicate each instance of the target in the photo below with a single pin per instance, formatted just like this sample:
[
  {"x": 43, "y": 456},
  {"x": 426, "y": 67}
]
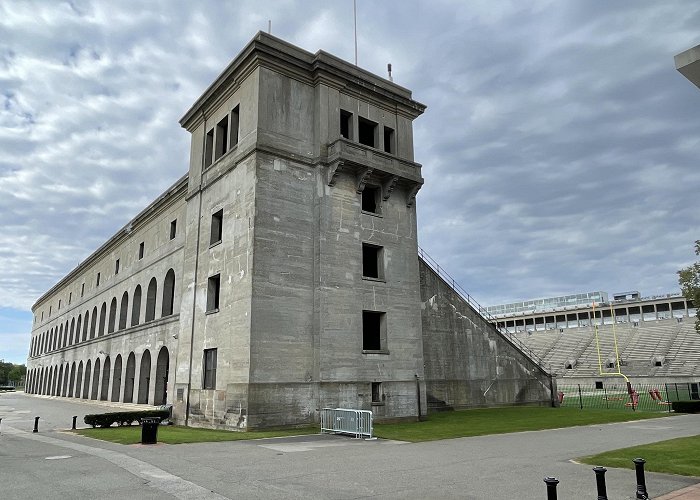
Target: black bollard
[
  {"x": 551, "y": 487},
  {"x": 641, "y": 483},
  {"x": 36, "y": 424},
  {"x": 75, "y": 417},
  {"x": 600, "y": 482}
]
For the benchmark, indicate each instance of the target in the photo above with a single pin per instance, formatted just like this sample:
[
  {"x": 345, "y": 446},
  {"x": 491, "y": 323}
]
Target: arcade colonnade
[{"x": 123, "y": 378}]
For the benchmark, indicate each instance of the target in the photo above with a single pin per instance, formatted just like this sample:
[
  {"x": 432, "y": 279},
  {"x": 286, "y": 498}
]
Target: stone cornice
[{"x": 319, "y": 68}]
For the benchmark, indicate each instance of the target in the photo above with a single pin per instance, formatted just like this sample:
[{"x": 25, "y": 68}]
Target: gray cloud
[{"x": 559, "y": 146}]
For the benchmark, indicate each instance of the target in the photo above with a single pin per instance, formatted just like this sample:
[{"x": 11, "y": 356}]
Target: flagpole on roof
[{"x": 354, "y": 14}]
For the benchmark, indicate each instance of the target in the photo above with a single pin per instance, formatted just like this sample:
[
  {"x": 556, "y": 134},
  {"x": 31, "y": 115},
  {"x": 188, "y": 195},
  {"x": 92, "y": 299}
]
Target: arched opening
[
  {"x": 65, "y": 334},
  {"x": 54, "y": 380},
  {"x": 44, "y": 380},
  {"x": 95, "y": 380},
  {"x": 93, "y": 323},
  {"x": 144, "y": 377},
  {"x": 117, "y": 378},
  {"x": 136, "y": 306},
  {"x": 72, "y": 331},
  {"x": 151, "y": 300},
  {"x": 77, "y": 328},
  {"x": 112, "y": 315},
  {"x": 51, "y": 340},
  {"x": 78, "y": 380},
  {"x": 40, "y": 386},
  {"x": 103, "y": 317},
  {"x": 59, "y": 381},
  {"x": 64, "y": 390},
  {"x": 162, "y": 369},
  {"x": 86, "y": 382},
  {"x": 168, "y": 293},
  {"x": 85, "y": 325},
  {"x": 71, "y": 385},
  {"x": 123, "y": 310},
  {"x": 105, "y": 380},
  {"x": 129, "y": 378},
  {"x": 60, "y": 337}
]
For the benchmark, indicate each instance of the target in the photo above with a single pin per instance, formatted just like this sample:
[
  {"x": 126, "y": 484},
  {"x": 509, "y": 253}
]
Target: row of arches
[
  {"x": 87, "y": 326},
  {"x": 94, "y": 379}
]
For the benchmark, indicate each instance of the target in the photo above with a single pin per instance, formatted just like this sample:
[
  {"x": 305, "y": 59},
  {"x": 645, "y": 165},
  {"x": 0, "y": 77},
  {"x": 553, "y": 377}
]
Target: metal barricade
[{"x": 357, "y": 423}]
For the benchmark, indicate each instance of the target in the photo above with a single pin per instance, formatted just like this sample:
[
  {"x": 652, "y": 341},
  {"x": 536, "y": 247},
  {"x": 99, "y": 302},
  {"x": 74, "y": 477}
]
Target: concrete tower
[{"x": 300, "y": 281}]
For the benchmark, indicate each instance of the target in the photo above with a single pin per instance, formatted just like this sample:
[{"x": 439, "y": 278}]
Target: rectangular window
[
  {"x": 372, "y": 261},
  {"x": 367, "y": 130},
  {"x": 98, "y": 280},
  {"x": 235, "y": 123},
  {"x": 59, "y": 303},
  {"x": 217, "y": 221},
  {"x": 389, "y": 140},
  {"x": 221, "y": 138},
  {"x": 346, "y": 124},
  {"x": 42, "y": 315},
  {"x": 209, "y": 369},
  {"x": 370, "y": 199},
  {"x": 374, "y": 331},
  {"x": 50, "y": 311},
  {"x": 377, "y": 395},
  {"x": 173, "y": 229},
  {"x": 142, "y": 247},
  {"x": 70, "y": 297},
  {"x": 209, "y": 149},
  {"x": 82, "y": 289},
  {"x": 116, "y": 266},
  {"x": 213, "y": 289}
]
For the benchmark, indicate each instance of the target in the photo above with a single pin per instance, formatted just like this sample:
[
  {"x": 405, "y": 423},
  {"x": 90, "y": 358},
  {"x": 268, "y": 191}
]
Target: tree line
[{"x": 11, "y": 374}]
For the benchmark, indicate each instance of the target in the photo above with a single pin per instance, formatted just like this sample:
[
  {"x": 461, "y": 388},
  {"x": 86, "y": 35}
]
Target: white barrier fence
[{"x": 357, "y": 423}]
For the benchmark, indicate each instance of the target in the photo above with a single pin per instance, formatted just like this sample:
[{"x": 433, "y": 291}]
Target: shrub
[
  {"x": 123, "y": 417},
  {"x": 686, "y": 406}
]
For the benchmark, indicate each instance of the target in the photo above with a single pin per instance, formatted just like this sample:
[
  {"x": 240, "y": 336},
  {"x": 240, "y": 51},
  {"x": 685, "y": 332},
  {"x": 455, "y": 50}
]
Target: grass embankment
[
  {"x": 484, "y": 421},
  {"x": 675, "y": 456},
  {"x": 445, "y": 425},
  {"x": 173, "y": 434}
]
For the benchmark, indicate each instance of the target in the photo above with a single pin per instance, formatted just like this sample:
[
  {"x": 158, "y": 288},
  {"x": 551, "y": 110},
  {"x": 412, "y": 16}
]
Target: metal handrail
[{"x": 432, "y": 263}]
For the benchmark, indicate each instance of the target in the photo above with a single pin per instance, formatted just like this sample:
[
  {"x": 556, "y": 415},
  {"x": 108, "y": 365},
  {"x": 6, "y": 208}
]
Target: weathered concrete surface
[{"x": 467, "y": 361}]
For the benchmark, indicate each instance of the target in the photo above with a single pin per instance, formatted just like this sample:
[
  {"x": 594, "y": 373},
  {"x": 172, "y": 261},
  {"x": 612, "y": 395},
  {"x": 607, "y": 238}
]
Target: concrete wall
[{"x": 467, "y": 362}]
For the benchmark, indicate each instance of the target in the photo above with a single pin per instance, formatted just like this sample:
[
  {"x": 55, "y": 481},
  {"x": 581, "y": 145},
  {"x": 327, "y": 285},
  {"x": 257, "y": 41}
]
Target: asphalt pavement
[{"x": 54, "y": 463}]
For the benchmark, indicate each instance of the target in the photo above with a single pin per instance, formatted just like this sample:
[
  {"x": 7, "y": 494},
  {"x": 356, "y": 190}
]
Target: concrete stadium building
[{"x": 282, "y": 273}]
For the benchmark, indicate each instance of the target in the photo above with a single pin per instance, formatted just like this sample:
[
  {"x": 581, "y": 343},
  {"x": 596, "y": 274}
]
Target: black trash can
[{"x": 149, "y": 430}]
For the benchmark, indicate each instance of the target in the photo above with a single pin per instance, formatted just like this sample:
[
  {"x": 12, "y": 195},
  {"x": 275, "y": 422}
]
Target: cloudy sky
[{"x": 559, "y": 148}]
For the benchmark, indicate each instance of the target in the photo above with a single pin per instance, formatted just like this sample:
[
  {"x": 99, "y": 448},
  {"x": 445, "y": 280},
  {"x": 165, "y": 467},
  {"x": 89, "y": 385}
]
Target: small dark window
[
  {"x": 221, "y": 138},
  {"x": 51, "y": 307},
  {"x": 217, "y": 221},
  {"x": 377, "y": 393},
  {"x": 82, "y": 289},
  {"x": 389, "y": 140},
  {"x": 116, "y": 266},
  {"x": 59, "y": 303},
  {"x": 370, "y": 199},
  {"x": 367, "y": 130},
  {"x": 213, "y": 289},
  {"x": 657, "y": 363},
  {"x": 209, "y": 369},
  {"x": 373, "y": 331},
  {"x": 235, "y": 122},
  {"x": 372, "y": 257},
  {"x": 70, "y": 299},
  {"x": 209, "y": 149},
  {"x": 611, "y": 364},
  {"x": 98, "y": 280},
  {"x": 599, "y": 384},
  {"x": 173, "y": 229},
  {"x": 346, "y": 124},
  {"x": 141, "y": 249}
]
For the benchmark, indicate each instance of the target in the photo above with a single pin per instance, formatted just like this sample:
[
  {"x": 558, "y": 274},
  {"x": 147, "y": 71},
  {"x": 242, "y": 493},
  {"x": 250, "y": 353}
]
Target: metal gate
[{"x": 357, "y": 423}]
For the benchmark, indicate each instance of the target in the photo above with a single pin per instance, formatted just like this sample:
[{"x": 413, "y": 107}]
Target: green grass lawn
[
  {"x": 173, "y": 434},
  {"x": 484, "y": 421},
  {"x": 675, "y": 456},
  {"x": 445, "y": 425}
]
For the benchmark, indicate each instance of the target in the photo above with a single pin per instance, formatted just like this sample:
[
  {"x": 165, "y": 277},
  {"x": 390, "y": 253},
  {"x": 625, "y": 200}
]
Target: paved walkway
[{"x": 54, "y": 464}]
